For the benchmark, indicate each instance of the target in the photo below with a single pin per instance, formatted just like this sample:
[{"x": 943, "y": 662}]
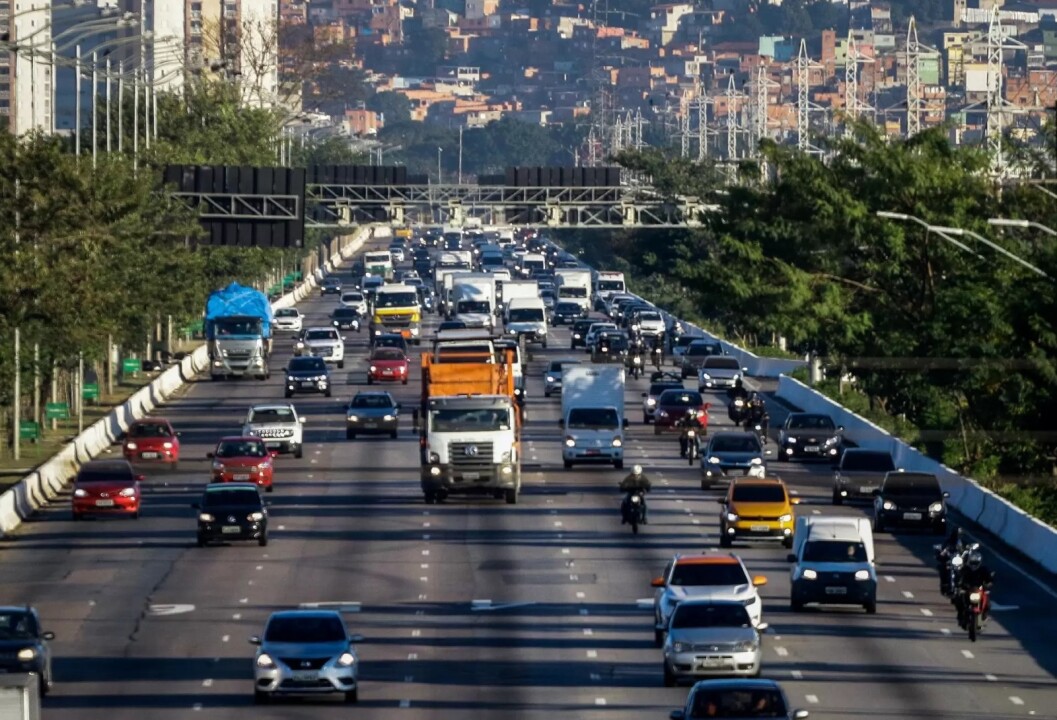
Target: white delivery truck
[
  {"x": 608, "y": 284},
  {"x": 514, "y": 289},
  {"x": 473, "y": 299},
  {"x": 527, "y": 318},
  {"x": 593, "y": 419},
  {"x": 833, "y": 562},
  {"x": 533, "y": 263},
  {"x": 574, "y": 285}
]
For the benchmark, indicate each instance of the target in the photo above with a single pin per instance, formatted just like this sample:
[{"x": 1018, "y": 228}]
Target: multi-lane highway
[{"x": 475, "y": 610}]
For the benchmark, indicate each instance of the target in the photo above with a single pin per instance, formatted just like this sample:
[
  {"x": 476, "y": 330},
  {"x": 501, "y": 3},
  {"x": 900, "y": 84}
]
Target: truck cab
[
  {"x": 395, "y": 309},
  {"x": 238, "y": 347}
]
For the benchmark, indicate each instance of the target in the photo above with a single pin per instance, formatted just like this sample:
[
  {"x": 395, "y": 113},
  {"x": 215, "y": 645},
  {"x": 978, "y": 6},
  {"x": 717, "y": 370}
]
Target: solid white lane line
[
  {"x": 813, "y": 699},
  {"x": 908, "y": 595},
  {"x": 926, "y": 612},
  {"x": 968, "y": 654},
  {"x": 1015, "y": 700}
]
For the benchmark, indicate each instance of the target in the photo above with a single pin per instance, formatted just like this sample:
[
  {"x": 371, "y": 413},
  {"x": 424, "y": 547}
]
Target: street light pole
[
  {"x": 993, "y": 246},
  {"x": 95, "y": 93},
  {"x": 77, "y": 102},
  {"x": 108, "y": 103},
  {"x": 460, "y": 155},
  {"x": 439, "y": 151},
  {"x": 1024, "y": 224},
  {"x": 903, "y": 217}
]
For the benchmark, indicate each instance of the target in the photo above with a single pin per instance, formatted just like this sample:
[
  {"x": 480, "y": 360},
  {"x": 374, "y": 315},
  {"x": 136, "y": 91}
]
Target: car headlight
[
  {"x": 888, "y": 505},
  {"x": 128, "y": 492},
  {"x": 791, "y": 440},
  {"x": 131, "y": 446},
  {"x": 788, "y": 517},
  {"x": 80, "y": 493},
  {"x": 550, "y": 379},
  {"x": 346, "y": 659},
  {"x": 255, "y": 516},
  {"x": 862, "y": 575},
  {"x": 205, "y": 517},
  {"x": 617, "y": 442},
  {"x": 756, "y": 461},
  {"x": 713, "y": 460},
  {"x": 936, "y": 507},
  {"x": 576, "y": 336},
  {"x": 263, "y": 466},
  {"x": 732, "y": 517},
  {"x": 167, "y": 445},
  {"x": 832, "y": 441},
  {"x": 388, "y": 418},
  {"x": 679, "y": 647},
  {"x": 374, "y": 368},
  {"x": 434, "y": 457},
  {"x": 651, "y": 402},
  {"x": 705, "y": 376},
  {"x": 264, "y": 660},
  {"x": 218, "y": 466},
  {"x": 27, "y": 654},
  {"x": 809, "y": 574},
  {"x": 746, "y": 646},
  {"x": 570, "y": 442}
]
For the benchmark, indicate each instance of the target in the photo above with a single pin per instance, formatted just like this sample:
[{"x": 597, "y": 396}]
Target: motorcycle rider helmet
[
  {"x": 975, "y": 560},
  {"x": 737, "y": 383},
  {"x": 637, "y": 470}
]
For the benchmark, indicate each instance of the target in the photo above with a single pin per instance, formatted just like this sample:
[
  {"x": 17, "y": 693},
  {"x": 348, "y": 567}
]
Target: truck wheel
[
  {"x": 350, "y": 435},
  {"x": 341, "y": 364},
  {"x": 706, "y": 485},
  {"x": 511, "y": 497},
  {"x": 288, "y": 394},
  {"x": 725, "y": 540}
]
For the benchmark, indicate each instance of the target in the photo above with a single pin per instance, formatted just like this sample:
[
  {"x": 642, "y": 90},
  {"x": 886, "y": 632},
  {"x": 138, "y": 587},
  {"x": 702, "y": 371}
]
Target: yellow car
[{"x": 757, "y": 509}]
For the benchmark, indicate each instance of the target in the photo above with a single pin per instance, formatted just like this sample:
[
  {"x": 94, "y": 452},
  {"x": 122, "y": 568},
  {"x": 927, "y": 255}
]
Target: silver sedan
[{"x": 711, "y": 638}]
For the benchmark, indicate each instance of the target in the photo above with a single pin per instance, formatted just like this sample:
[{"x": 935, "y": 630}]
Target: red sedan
[
  {"x": 675, "y": 404},
  {"x": 106, "y": 487},
  {"x": 388, "y": 364},
  {"x": 243, "y": 459},
  {"x": 152, "y": 440}
]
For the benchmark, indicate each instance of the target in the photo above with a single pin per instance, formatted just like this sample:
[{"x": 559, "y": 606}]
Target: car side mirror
[
  {"x": 48, "y": 635},
  {"x": 762, "y": 627},
  {"x": 759, "y": 580},
  {"x": 255, "y": 640},
  {"x": 794, "y": 501},
  {"x": 946, "y": 495},
  {"x": 677, "y": 715},
  {"x": 657, "y": 582},
  {"x": 790, "y": 557},
  {"x": 141, "y": 478},
  {"x": 210, "y": 455},
  {"x": 627, "y": 423},
  {"x": 273, "y": 453},
  {"x": 301, "y": 420},
  {"x": 196, "y": 506}
]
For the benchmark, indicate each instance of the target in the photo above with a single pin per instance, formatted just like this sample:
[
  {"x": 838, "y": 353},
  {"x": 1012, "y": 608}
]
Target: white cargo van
[
  {"x": 527, "y": 318},
  {"x": 833, "y": 563},
  {"x": 593, "y": 419}
]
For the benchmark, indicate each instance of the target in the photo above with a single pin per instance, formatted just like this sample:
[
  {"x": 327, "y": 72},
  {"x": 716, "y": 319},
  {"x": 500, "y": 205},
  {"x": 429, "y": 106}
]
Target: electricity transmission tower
[
  {"x": 804, "y": 106},
  {"x": 854, "y": 107},
  {"x": 997, "y": 106}
]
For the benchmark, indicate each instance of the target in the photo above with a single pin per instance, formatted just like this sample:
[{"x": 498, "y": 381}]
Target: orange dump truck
[{"x": 471, "y": 434}]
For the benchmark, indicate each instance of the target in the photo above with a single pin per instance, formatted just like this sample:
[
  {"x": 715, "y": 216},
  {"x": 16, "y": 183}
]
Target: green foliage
[
  {"x": 1038, "y": 499},
  {"x": 394, "y": 106}
]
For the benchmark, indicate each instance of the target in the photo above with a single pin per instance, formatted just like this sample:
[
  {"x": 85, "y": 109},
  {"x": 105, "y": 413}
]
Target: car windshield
[
  {"x": 906, "y": 485},
  {"x": 526, "y": 315},
  {"x": 331, "y": 281},
  {"x": 352, "y": 297},
  {"x": 572, "y": 291},
  {"x": 451, "y": 325},
  {"x": 658, "y": 388},
  {"x": 272, "y": 415},
  {"x": 597, "y": 328},
  {"x": 610, "y": 285},
  {"x": 387, "y": 353},
  {"x": 390, "y": 341},
  {"x": 470, "y": 420},
  {"x": 346, "y": 313},
  {"x": 321, "y": 335},
  {"x": 834, "y": 551},
  {"x": 305, "y": 629},
  {"x": 17, "y": 626},
  {"x": 371, "y": 401},
  {"x": 472, "y": 306},
  {"x": 684, "y": 341},
  {"x": 149, "y": 430},
  {"x": 722, "y": 363},
  {"x": 582, "y": 326},
  {"x": 226, "y": 497},
  {"x": 240, "y": 448},
  {"x": 770, "y": 493},
  {"x": 557, "y": 365},
  {"x": 286, "y": 313},
  {"x": 377, "y": 258},
  {"x": 691, "y": 574},
  {"x": 396, "y": 299},
  {"x": 691, "y": 615},
  {"x": 680, "y": 399},
  {"x": 736, "y": 443},
  {"x": 567, "y": 308},
  {"x": 592, "y": 418},
  {"x": 307, "y": 364},
  {"x": 651, "y": 316},
  {"x": 867, "y": 461},
  {"x": 810, "y": 422},
  {"x": 105, "y": 472},
  {"x": 731, "y": 704},
  {"x": 698, "y": 349}
]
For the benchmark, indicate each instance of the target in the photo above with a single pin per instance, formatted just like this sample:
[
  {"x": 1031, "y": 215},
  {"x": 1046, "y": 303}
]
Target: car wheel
[
  {"x": 392, "y": 435},
  {"x": 200, "y": 541},
  {"x": 341, "y": 364},
  {"x": 870, "y": 607},
  {"x": 795, "y": 605},
  {"x": 787, "y": 542},
  {"x": 618, "y": 464},
  {"x": 350, "y": 435},
  {"x": 658, "y": 638},
  {"x": 299, "y": 452},
  {"x": 430, "y": 498},
  {"x": 669, "y": 677},
  {"x": 511, "y": 497},
  {"x": 135, "y": 515},
  {"x": 327, "y": 392},
  {"x": 404, "y": 382},
  {"x": 568, "y": 464},
  {"x": 288, "y": 394},
  {"x": 878, "y": 524},
  {"x": 263, "y": 540},
  {"x": 838, "y": 499},
  {"x": 725, "y": 541},
  {"x": 270, "y": 488}
]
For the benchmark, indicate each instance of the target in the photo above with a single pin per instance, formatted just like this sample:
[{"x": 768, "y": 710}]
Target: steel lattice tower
[
  {"x": 995, "y": 109},
  {"x": 913, "y": 58}
]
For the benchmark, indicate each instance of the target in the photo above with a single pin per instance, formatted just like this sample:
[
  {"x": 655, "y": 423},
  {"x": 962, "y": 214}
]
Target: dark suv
[
  {"x": 912, "y": 499},
  {"x": 232, "y": 511},
  {"x": 23, "y": 646}
]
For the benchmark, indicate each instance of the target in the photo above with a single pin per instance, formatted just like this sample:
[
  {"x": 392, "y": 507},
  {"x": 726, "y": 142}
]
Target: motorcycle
[
  {"x": 738, "y": 410},
  {"x": 949, "y": 562},
  {"x": 635, "y": 368},
  {"x": 658, "y": 357},
  {"x": 979, "y": 600},
  {"x": 633, "y": 510},
  {"x": 691, "y": 445}
]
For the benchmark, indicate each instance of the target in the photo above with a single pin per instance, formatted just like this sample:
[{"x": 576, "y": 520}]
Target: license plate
[
  {"x": 866, "y": 489},
  {"x": 306, "y": 384},
  {"x": 241, "y": 476},
  {"x": 149, "y": 455},
  {"x": 594, "y": 452},
  {"x": 370, "y": 426},
  {"x": 811, "y": 448},
  {"x": 104, "y": 503},
  {"x": 711, "y": 662},
  {"x": 911, "y": 516},
  {"x": 231, "y": 530},
  {"x": 387, "y": 371},
  {"x": 305, "y": 675},
  {"x": 273, "y": 444},
  {"x": 471, "y": 476},
  {"x": 760, "y": 528},
  {"x": 836, "y": 591}
]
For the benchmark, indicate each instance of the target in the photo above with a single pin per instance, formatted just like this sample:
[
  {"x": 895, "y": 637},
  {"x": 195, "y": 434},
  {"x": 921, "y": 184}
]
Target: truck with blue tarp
[{"x": 238, "y": 327}]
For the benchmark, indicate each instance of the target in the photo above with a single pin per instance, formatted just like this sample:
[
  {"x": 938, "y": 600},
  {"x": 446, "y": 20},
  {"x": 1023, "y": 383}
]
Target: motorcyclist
[
  {"x": 636, "y": 353},
  {"x": 657, "y": 350},
  {"x": 685, "y": 423},
  {"x": 756, "y": 414},
  {"x": 636, "y": 481},
  {"x": 738, "y": 391},
  {"x": 952, "y": 546},
  {"x": 603, "y": 343},
  {"x": 975, "y": 575}
]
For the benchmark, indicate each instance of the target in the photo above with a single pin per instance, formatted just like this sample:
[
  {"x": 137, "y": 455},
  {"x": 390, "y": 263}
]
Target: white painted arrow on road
[{"x": 171, "y": 609}]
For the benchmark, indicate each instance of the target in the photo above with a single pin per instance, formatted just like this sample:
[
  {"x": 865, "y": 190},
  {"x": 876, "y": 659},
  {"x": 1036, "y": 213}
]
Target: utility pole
[
  {"x": 80, "y": 393},
  {"x": 17, "y": 405},
  {"x": 460, "y": 155}
]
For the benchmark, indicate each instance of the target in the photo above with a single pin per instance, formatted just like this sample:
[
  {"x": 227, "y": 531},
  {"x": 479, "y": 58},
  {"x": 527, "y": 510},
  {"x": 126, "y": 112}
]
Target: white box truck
[
  {"x": 574, "y": 285},
  {"x": 593, "y": 419},
  {"x": 473, "y": 299},
  {"x": 514, "y": 289}
]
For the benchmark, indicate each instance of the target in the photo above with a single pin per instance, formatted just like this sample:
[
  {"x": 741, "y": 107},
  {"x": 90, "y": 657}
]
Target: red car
[
  {"x": 243, "y": 459},
  {"x": 106, "y": 487},
  {"x": 675, "y": 404},
  {"x": 152, "y": 440},
  {"x": 388, "y": 365}
]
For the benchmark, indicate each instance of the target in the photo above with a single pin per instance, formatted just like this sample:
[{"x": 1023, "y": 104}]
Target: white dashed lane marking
[
  {"x": 813, "y": 699},
  {"x": 908, "y": 595},
  {"x": 990, "y": 678},
  {"x": 1015, "y": 700},
  {"x": 968, "y": 654},
  {"x": 926, "y": 612},
  {"x": 592, "y": 653},
  {"x": 207, "y": 683}
]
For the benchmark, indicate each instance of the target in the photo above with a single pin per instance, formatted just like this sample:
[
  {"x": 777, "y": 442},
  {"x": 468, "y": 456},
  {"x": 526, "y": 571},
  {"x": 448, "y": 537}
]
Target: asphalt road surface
[{"x": 475, "y": 610}]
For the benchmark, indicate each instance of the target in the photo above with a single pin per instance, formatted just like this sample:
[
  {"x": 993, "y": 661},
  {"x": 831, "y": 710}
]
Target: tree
[{"x": 393, "y": 105}]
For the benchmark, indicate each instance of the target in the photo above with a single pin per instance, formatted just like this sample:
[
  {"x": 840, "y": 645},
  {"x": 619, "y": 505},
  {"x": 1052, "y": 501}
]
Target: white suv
[
  {"x": 278, "y": 425},
  {"x": 704, "y": 576},
  {"x": 324, "y": 342},
  {"x": 288, "y": 319},
  {"x": 355, "y": 300}
]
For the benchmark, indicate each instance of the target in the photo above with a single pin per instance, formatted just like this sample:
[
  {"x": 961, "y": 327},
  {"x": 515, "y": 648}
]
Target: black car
[
  {"x": 809, "y": 435},
  {"x": 579, "y": 333},
  {"x": 390, "y": 340},
  {"x": 331, "y": 285},
  {"x": 232, "y": 511},
  {"x": 346, "y": 318},
  {"x": 307, "y": 374},
  {"x": 24, "y": 646},
  {"x": 451, "y": 325},
  {"x": 566, "y": 312},
  {"x": 860, "y": 472},
  {"x": 910, "y": 499}
]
